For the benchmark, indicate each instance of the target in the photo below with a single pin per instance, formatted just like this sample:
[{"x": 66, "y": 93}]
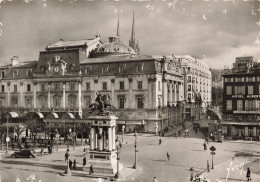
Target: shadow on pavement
[
  {"x": 179, "y": 165},
  {"x": 158, "y": 160},
  {"x": 196, "y": 150}
]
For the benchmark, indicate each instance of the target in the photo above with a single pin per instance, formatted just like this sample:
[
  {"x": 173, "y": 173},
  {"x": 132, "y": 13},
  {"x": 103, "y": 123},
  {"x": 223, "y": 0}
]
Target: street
[{"x": 151, "y": 161}]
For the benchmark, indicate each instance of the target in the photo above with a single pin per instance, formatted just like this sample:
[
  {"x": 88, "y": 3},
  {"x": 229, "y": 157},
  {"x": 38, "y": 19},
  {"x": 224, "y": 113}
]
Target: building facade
[{"x": 241, "y": 96}]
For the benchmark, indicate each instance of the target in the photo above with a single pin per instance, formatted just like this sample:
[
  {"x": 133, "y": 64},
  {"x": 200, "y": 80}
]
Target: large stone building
[{"x": 241, "y": 97}]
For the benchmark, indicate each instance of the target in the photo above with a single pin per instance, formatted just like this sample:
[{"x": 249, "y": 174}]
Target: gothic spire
[
  {"x": 132, "y": 40},
  {"x": 117, "y": 31}
]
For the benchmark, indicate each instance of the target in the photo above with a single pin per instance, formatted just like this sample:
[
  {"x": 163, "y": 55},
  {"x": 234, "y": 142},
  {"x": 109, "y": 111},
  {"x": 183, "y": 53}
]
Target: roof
[
  {"x": 27, "y": 64},
  {"x": 115, "y": 47},
  {"x": 63, "y": 43},
  {"x": 117, "y": 58}
]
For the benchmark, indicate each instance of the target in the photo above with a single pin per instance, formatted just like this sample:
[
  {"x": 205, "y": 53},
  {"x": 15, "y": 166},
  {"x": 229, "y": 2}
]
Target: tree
[
  {"x": 2, "y": 133},
  {"x": 82, "y": 128},
  {"x": 34, "y": 127},
  {"x": 18, "y": 129}
]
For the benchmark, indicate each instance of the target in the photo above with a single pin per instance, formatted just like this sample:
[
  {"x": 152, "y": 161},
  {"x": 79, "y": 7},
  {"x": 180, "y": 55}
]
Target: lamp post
[
  {"x": 74, "y": 135},
  {"x": 191, "y": 174},
  {"x": 213, "y": 149},
  {"x": 7, "y": 135},
  {"x": 57, "y": 138},
  {"x": 117, "y": 158},
  {"x": 135, "y": 164},
  {"x": 123, "y": 129},
  {"x": 68, "y": 140},
  {"x": 67, "y": 171}
]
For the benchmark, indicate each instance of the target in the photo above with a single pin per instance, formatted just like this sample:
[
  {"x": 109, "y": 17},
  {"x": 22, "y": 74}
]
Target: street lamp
[
  {"x": 74, "y": 137},
  {"x": 135, "y": 165},
  {"x": 117, "y": 157},
  {"x": 123, "y": 129},
  {"x": 69, "y": 139},
  {"x": 213, "y": 149},
  {"x": 7, "y": 135},
  {"x": 191, "y": 174}
]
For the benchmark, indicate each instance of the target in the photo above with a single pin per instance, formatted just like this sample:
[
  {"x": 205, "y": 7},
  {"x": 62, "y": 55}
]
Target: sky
[{"x": 216, "y": 31}]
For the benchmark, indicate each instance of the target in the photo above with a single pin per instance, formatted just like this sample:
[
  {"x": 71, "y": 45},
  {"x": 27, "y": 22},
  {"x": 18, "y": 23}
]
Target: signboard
[
  {"x": 212, "y": 153},
  {"x": 247, "y": 96},
  {"x": 7, "y": 139},
  {"x": 246, "y": 112},
  {"x": 212, "y": 148}
]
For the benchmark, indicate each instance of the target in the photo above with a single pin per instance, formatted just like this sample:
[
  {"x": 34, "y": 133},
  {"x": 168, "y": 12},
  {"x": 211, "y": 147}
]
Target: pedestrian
[
  {"x": 74, "y": 164},
  {"x": 176, "y": 134},
  {"x": 42, "y": 150},
  {"x": 208, "y": 165},
  {"x": 91, "y": 170},
  {"x": 66, "y": 156},
  {"x": 160, "y": 141},
  {"x": 205, "y": 146},
  {"x": 155, "y": 179},
  {"x": 248, "y": 174},
  {"x": 168, "y": 156},
  {"x": 84, "y": 161},
  {"x": 70, "y": 164}
]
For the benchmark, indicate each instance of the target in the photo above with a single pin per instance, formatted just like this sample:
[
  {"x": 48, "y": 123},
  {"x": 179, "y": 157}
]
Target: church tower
[
  {"x": 132, "y": 41},
  {"x": 117, "y": 30}
]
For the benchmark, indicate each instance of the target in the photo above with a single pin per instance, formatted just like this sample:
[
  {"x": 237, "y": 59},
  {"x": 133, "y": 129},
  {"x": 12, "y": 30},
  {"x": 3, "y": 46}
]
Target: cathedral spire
[
  {"x": 132, "y": 41},
  {"x": 117, "y": 31}
]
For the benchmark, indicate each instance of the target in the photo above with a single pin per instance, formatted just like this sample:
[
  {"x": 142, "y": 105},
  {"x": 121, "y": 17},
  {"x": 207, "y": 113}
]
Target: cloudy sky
[{"x": 217, "y": 31}]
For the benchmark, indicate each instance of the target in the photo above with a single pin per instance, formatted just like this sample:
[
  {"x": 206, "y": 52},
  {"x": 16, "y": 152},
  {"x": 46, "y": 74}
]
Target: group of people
[{"x": 74, "y": 163}]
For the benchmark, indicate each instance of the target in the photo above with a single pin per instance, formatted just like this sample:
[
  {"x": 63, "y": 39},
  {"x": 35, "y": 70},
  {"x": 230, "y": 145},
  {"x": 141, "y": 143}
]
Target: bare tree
[
  {"x": 82, "y": 128},
  {"x": 34, "y": 127}
]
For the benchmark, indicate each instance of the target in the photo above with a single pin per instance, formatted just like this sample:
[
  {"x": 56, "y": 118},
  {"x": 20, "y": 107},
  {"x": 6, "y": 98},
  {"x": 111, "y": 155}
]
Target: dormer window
[
  {"x": 43, "y": 69},
  {"x": 105, "y": 69},
  {"x": 29, "y": 72},
  {"x": 72, "y": 67},
  {"x": 2, "y": 74},
  {"x": 140, "y": 68},
  {"x": 122, "y": 68},
  {"x": 15, "y": 73},
  {"x": 88, "y": 69}
]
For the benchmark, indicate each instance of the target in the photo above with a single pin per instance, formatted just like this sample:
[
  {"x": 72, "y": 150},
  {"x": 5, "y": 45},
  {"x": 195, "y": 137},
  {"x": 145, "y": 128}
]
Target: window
[
  {"x": 72, "y": 101},
  {"x": 105, "y": 69},
  {"x": 28, "y": 102},
  {"x": 239, "y": 105},
  {"x": 3, "y": 88},
  {"x": 229, "y": 90},
  {"x": 15, "y": 88},
  {"x": 140, "y": 85},
  {"x": 72, "y": 86},
  {"x": 189, "y": 87},
  {"x": 29, "y": 72},
  {"x": 72, "y": 67},
  {"x": 250, "y": 79},
  {"x": 240, "y": 79},
  {"x": 229, "y": 104},
  {"x": 15, "y": 73},
  {"x": 229, "y": 79},
  {"x": 56, "y": 101},
  {"x": 43, "y": 101},
  {"x": 251, "y": 105},
  {"x": 88, "y": 70},
  {"x": 140, "y": 68},
  {"x": 87, "y": 101},
  {"x": 121, "y": 102},
  {"x": 122, "y": 85},
  {"x": 88, "y": 86},
  {"x": 2, "y": 74},
  {"x": 43, "y": 69},
  {"x": 28, "y": 88},
  {"x": 57, "y": 86},
  {"x": 189, "y": 78},
  {"x": 42, "y": 87},
  {"x": 121, "y": 68},
  {"x": 140, "y": 102},
  {"x": 229, "y": 117},
  {"x": 104, "y": 85},
  {"x": 240, "y": 90},
  {"x": 14, "y": 101},
  {"x": 250, "y": 90}
]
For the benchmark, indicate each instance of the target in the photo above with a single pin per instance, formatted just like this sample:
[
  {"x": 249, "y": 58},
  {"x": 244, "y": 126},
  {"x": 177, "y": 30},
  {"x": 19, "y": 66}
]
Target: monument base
[{"x": 102, "y": 162}]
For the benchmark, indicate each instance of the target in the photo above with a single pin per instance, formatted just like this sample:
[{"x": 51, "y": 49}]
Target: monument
[{"x": 103, "y": 158}]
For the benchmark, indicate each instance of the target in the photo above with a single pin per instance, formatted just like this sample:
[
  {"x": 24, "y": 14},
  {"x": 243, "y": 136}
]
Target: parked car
[{"x": 24, "y": 153}]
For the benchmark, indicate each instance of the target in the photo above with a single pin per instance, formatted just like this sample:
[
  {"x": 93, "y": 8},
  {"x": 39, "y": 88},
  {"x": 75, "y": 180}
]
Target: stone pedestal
[{"x": 102, "y": 141}]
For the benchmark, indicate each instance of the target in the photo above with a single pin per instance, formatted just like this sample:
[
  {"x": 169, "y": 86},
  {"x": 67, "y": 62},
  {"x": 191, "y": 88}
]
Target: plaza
[{"x": 151, "y": 161}]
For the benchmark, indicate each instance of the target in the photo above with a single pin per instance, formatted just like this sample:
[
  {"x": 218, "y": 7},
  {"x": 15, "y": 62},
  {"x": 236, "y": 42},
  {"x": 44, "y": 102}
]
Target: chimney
[{"x": 15, "y": 60}]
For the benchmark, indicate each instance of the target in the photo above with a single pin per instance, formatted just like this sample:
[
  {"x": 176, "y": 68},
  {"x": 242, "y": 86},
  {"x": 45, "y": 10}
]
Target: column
[
  {"x": 246, "y": 131},
  {"x": 149, "y": 93},
  {"x": 175, "y": 91},
  {"x": 96, "y": 86},
  {"x": 34, "y": 95},
  {"x": 254, "y": 131},
  {"x": 164, "y": 93},
  {"x": 100, "y": 140},
  {"x": 104, "y": 139},
  {"x": 170, "y": 94},
  {"x": 92, "y": 138},
  {"x": 80, "y": 104},
  {"x": 113, "y": 138},
  {"x": 110, "y": 139},
  {"x": 8, "y": 94},
  {"x": 49, "y": 95},
  {"x": 113, "y": 91},
  {"x": 96, "y": 138},
  {"x": 178, "y": 92},
  {"x": 64, "y": 94},
  {"x": 21, "y": 95},
  {"x": 130, "y": 96}
]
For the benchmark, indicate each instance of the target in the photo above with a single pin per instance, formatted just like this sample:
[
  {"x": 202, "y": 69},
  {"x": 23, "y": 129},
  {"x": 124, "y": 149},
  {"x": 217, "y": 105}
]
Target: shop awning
[
  {"x": 12, "y": 114},
  {"x": 68, "y": 115},
  {"x": 40, "y": 115}
]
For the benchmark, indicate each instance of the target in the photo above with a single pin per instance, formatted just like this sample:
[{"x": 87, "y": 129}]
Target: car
[{"x": 25, "y": 153}]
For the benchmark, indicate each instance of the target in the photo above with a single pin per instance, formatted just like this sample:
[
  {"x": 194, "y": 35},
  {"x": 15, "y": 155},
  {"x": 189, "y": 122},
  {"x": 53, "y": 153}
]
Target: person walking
[
  {"x": 84, "y": 161},
  {"x": 91, "y": 170},
  {"x": 70, "y": 164},
  {"x": 74, "y": 164},
  {"x": 168, "y": 157},
  {"x": 160, "y": 141},
  {"x": 66, "y": 156},
  {"x": 205, "y": 146},
  {"x": 248, "y": 174},
  {"x": 42, "y": 150},
  {"x": 208, "y": 165},
  {"x": 155, "y": 179}
]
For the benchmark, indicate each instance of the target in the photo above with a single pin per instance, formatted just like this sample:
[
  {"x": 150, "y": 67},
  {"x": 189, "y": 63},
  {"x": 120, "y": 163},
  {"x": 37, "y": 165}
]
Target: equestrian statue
[{"x": 101, "y": 104}]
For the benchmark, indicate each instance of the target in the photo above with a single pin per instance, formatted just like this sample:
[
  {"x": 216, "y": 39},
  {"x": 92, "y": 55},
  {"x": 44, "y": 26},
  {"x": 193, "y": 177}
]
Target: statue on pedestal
[{"x": 101, "y": 104}]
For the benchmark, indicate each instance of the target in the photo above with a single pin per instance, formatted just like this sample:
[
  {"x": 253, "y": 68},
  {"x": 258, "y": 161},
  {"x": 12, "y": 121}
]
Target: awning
[
  {"x": 68, "y": 115},
  {"x": 216, "y": 112},
  {"x": 40, "y": 115},
  {"x": 52, "y": 115},
  {"x": 240, "y": 123},
  {"x": 12, "y": 114}
]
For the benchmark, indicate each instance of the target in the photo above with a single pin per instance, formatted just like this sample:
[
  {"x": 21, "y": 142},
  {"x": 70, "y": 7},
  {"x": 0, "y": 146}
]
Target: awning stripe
[
  {"x": 14, "y": 114},
  {"x": 71, "y": 115},
  {"x": 40, "y": 115},
  {"x": 56, "y": 116}
]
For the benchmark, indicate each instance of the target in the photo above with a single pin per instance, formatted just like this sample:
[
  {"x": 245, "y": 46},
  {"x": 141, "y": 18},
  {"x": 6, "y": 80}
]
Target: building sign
[
  {"x": 247, "y": 96},
  {"x": 246, "y": 112}
]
